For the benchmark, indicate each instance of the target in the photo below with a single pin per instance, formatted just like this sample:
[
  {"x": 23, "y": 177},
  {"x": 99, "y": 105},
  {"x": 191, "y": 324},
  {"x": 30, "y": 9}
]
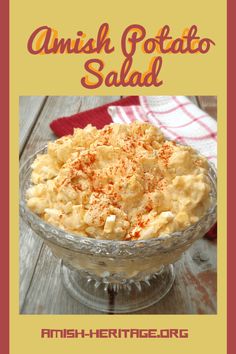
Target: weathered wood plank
[
  {"x": 47, "y": 295},
  {"x": 208, "y": 104},
  {"x": 193, "y": 99},
  {"x": 29, "y": 109},
  {"x": 30, "y": 244},
  {"x": 41, "y": 134},
  {"x": 194, "y": 289}
]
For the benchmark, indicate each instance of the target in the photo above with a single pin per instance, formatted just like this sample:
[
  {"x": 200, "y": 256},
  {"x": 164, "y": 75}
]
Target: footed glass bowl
[{"x": 116, "y": 276}]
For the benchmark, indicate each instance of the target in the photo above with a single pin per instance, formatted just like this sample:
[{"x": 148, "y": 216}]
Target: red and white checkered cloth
[{"x": 178, "y": 118}]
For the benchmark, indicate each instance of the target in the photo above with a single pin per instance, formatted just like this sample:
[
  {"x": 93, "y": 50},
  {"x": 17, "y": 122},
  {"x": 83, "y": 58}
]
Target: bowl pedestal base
[{"x": 126, "y": 297}]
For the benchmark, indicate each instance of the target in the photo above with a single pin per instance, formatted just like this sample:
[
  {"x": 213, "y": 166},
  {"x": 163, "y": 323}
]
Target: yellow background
[{"x": 60, "y": 75}]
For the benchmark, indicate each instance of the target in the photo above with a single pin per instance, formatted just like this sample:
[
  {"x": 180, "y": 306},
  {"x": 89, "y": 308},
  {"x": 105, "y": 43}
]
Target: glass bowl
[{"x": 116, "y": 276}]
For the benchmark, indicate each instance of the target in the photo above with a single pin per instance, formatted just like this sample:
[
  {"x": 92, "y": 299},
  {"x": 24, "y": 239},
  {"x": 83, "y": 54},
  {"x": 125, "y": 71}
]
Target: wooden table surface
[{"x": 41, "y": 289}]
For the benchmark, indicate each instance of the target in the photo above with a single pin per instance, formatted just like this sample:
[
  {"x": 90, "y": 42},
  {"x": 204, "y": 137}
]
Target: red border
[
  {"x": 4, "y": 175},
  {"x": 4, "y": 185},
  {"x": 231, "y": 177}
]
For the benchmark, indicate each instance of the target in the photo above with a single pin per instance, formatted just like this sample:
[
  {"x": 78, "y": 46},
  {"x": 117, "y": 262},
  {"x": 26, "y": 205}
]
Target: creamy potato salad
[{"x": 123, "y": 182}]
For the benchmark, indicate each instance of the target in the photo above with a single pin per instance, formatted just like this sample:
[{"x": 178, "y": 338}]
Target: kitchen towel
[{"x": 178, "y": 118}]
